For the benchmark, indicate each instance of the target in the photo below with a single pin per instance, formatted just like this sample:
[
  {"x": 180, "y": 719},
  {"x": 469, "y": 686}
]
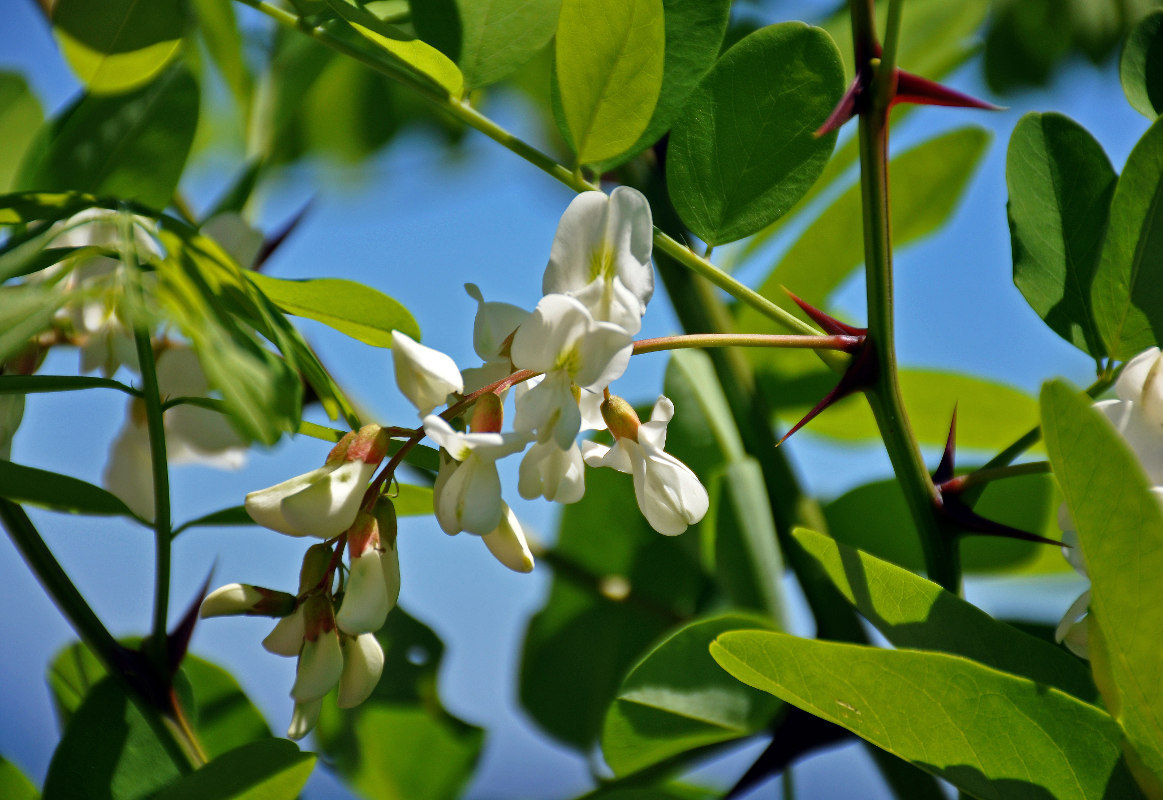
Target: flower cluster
[
  {"x": 1137, "y": 415},
  {"x": 561, "y": 359}
]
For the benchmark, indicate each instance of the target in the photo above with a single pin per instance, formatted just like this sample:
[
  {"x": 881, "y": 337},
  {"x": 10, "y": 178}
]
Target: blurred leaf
[
  {"x": 20, "y": 118},
  {"x": 875, "y": 518},
  {"x": 702, "y": 433},
  {"x": 13, "y": 784},
  {"x": 108, "y": 751},
  {"x": 1141, "y": 67},
  {"x": 1127, "y": 293},
  {"x": 699, "y": 25},
  {"x": 351, "y": 308},
  {"x": 609, "y": 65},
  {"x": 72, "y": 673},
  {"x": 131, "y": 146},
  {"x": 223, "y": 716},
  {"x": 741, "y": 541},
  {"x": 1120, "y": 529},
  {"x": 487, "y": 40},
  {"x": 271, "y": 769},
  {"x": 662, "y": 791},
  {"x": 25, "y": 311},
  {"x": 235, "y": 515},
  {"x": 219, "y": 29},
  {"x": 23, "y": 207},
  {"x": 912, "y": 612},
  {"x": 677, "y": 698},
  {"x": 116, "y": 46},
  {"x": 413, "y": 501},
  {"x": 1060, "y": 185},
  {"x": 401, "y": 744},
  {"x": 987, "y": 732},
  {"x": 743, "y": 152},
  {"x": 928, "y": 183},
  {"x": 39, "y": 487},
  {"x": 617, "y": 582}
]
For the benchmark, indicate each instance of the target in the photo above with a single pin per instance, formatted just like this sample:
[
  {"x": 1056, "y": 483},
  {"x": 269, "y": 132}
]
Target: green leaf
[
  {"x": 131, "y": 146},
  {"x": 400, "y": 744},
  {"x": 1127, "y": 293},
  {"x": 928, "y": 183},
  {"x": 119, "y": 45},
  {"x": 609, "y": 64},
  {"x": 109, "y": 751},
  {"x": 71, "y": 675},
  {"x": 677, "y": 698},
  {"x": 989, "y": 733},
  {"x": 875, "y": 518},
  {"x": 351, "y": 308},
  {"x": 413, "y": 501},
  {"x": 912, "y": 612},
  {"x": 272, "y": 769},
  {"x": 699, "y": 25},
  {"x": 223, "y": 716},
  {"x": 13, "y": 783},
  {"x": 1141, "y": 66},
  {"x": 663, "y": 791},
  {"x": 1120, "y": 529},
  {"x": 743, "y": 152},
  {"x": 235, "y": 515},
  {"x": 617, "y": 582},
  {"x": 740, "y": 539},
  {"x": 1060, "y": 185},
  {"x": 703, "y": 433},
  {"x": 20, "y": 208},
  {"x": 39, "y": 487},
  {"x": 32, "y": 384},
  {"x": 488, "y": 40},
  {"x": 416, "y": 56},
  {"x": 20, "y": 118},
  {"x": 25, "y": 311},
  {"x": 220, "y": 33}
]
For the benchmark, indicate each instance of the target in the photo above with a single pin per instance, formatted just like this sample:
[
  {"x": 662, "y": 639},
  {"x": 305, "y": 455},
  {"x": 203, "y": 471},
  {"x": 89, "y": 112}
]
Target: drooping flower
[
  {"x": 363, "y": 663},
  {"x": 373, "y": 581},
  {"x": 467, "y": 492},
  {"x": 507, "y": 543},
  {"x": 669, "y": 494},
  {"x": 563, "y": 340},
  {"x": 425, "y": 376},
  {"x": 601, "y": 256},
  {"x": 324, "y": 501}
]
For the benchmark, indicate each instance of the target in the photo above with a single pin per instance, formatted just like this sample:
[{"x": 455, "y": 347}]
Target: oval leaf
[
  {"x": 419, "y": 57},
  {"x": 1141, "y": 67},
  {"x": 118, "y": 45},
  {"x": 609, "y": 64},
  {"x": 1060, "y": 185},
  {"x": 270, "y": 769},
  {"x": 677, "y": 698},
  {"x": 359, "y": 311},
  {"x": 1127, "y": 294},
  {"x": 743, "y": 153}
]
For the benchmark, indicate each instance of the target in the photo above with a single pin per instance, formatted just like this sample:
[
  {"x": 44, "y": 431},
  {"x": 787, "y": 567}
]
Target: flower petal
[
  {"x": 286, "y": 639},
  {"x": 363, "y": 663},
  {"x": 507, "y": 543},
  {"x": 365, "y": 601},
  {"x": 320, "y": 666},
  {"x": 304, "y": 717},
  {"x": 425, "y": 376}
]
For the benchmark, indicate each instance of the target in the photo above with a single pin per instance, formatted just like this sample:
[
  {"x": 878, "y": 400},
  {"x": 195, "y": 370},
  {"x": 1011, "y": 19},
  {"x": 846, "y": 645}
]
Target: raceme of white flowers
[
  {"x": 562, "y": 357},
  {"x": 1137, "y": 414}
]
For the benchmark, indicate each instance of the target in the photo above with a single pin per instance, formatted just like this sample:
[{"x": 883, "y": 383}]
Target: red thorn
[
  {"x": 178, "y": 642},
  {"x": 959, "y": 513},
  {"x": 860, "y": 374},
  {"x": 846, "y": 109},
  {"x": 944, "y": 472},
  {"x": 826, "y": 321},
  {"x": 912, "y": 88}
]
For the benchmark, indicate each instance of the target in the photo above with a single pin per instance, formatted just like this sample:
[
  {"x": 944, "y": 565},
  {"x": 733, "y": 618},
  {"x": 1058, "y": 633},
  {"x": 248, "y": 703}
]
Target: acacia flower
[
  {"x": 494, "y": 324},
  {"x": 324, "y": 501},
  {"x": 507, "y": 543},
  {"x": 241, "y": 598},
  {"x": 563, "y": 340},
  {"x": 467, "y": 492},
  {"x": 669, "y": 494},
  {"x": 550, "y": 472},
  {"x": 601, "y": 256},
  {"x": 425, "y": 376},
  {"x": 373, "y": 580}
]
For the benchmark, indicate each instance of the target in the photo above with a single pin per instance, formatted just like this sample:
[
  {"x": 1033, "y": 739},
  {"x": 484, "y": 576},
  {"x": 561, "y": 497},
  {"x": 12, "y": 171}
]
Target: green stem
[
  {"x": 705, "y": 340},
  {"x": 884, "y": 397},
  {"x": 886, "y": 71}
]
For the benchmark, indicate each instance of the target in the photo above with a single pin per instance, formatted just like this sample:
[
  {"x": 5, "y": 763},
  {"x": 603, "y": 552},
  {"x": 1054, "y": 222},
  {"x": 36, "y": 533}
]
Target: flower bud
[
  {"x": 363, "y": 663},
  {"x": 304, "y": 718},
  {"x": 425, "y": 376},
  {"x": 286, "y": 638},
  {"x": 507, "y": 543},
  {"x": 316, "y": 562},
  {"x": 621, "y": 418},
  {"x": 1141, "y": 382},
  {"x": 488, "y": 415},
  {"x": 365, "y": 599},
  {"x": 241, "y": 598},
  {"x": 321, "y": 659}
]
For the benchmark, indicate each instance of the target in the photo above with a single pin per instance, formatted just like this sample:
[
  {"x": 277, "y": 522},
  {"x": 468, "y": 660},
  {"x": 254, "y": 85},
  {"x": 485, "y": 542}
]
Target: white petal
[
  {"x": 304, "y": 718},
  {"x": 129, "y": 471},
  {"x": 425, "y": 376},
  {"x": 486, "y": 446},
  {"x": 233, "y": 598},
  {"x": 320, "y": 665},
  {"x": 363, "y": 663},
  {"x": 605, "y": 354},
  {"x": 507, "y": 543},
  {"x": 549, "y": 471},
  {"x": 550, "y": 339},
  {"x": 474, "y": 492},
  {"x": 616, "y": 457},
  {"x": 365, "y": 601},
  {"x": 550, "y": 410},
  {"x": 322, "y": 502},
  {"x": 286, "y": 639},
  {"x": 444, "y": 503},
  {"x": 494, "y": 323},
  {"x": 1072, "y": 630},
  {"x": 668, "y": 492},
  {"x": 1144, "y": 437}
]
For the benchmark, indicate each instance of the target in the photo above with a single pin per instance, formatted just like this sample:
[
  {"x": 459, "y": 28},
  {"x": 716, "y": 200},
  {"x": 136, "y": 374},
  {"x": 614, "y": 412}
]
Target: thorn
[
  {"x": 178, "y": 642},
  {"x": 826, "y": 321},
  {"x": 922, "y": 91},
  {"x": 944, "y": 471},
  {"x": 846, "y": 109},
  {"x": 859, "y": 375},
  {"x": 273, "y": 242}
]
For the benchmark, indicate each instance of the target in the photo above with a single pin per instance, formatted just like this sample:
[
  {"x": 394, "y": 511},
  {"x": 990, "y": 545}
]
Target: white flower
[
  {"x": 193, "y": 434},
  {"x": 495, "y": 323},
  {"x": 373, "y": 581},
  {"x": 669, "y": 494},
  {"x": 1141, "y": 382},
  {"x": 601, "y": 255},
  {"x": 231, "y": 599},
  {"x": 425, "y": 376},
  {"x": 467, "y": 495},
  {"x": 324, "y": 501},
  {"x": 363, "y": 663},
  {"x": 507, "y": 543},
  {"x": 547, "y": 470},
  {"x": 304, "y": 718},
  {"x": 565, "y": 342},
  {"x": 321, "y": 657}
]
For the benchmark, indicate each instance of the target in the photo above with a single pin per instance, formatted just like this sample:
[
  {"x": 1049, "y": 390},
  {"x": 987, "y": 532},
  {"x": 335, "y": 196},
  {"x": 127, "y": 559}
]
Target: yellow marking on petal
[{"x": 602, "y": 264}]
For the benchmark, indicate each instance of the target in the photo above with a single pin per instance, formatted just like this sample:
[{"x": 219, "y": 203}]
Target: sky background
[{"x": 417, "y": 225}]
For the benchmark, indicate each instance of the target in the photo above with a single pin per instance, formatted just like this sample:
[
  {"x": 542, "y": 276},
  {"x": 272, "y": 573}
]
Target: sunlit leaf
[
  {"x": 25, "y": 311},
  {"x": 609, "y": 64},
  {"x": 13, "y": 783},
  {"x": 743, "y": 152},
  {"x": 989, "y": 733},
  {"x": 1127, "y": 293},
  {"x": 271, "y": 769},
  {"x": 677, "y": 698},
  {"x": 1060, "y": 184},
  {"x": 417, "y": 56},
  {"x": 20, "y": 118}
]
